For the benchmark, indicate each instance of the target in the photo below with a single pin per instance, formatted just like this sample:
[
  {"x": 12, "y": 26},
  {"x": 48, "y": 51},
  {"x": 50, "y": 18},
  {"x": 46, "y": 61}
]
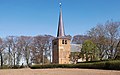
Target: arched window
[
  {"x": 62, "y": 41},
  {"x": 65, "y": 41}
]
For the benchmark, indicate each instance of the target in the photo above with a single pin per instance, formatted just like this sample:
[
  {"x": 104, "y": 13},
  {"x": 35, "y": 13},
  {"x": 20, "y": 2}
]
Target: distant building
[
  {"x": 75, "y": 55},
  {"x": 76, "y": 47}
]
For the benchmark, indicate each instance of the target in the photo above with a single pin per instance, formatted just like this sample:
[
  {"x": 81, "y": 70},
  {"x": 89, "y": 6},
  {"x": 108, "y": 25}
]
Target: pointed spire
[{"x": 60, "y": 32}]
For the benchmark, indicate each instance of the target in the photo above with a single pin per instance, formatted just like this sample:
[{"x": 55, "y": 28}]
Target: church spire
[{"x": 60, "y": 32}]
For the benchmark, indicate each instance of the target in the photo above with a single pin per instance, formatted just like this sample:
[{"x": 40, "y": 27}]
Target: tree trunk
[
  {"x": 9, "y": 61},
  {"x": 27, "y": 61},
  {"x": 117, "y": 52},
  {"x": 1, "y": 59},
  {"x": 14, "y": 60},
  {"x": 86, "y": 57}
]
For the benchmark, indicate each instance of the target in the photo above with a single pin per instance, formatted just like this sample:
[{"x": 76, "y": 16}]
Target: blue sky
[{"x": 39, "y": 17}]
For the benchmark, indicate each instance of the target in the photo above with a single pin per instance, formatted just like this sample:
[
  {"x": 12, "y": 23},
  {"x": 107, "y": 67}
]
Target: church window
[
  {"x": 62, "y": 41},
  {"x": 65, "y": 41}
]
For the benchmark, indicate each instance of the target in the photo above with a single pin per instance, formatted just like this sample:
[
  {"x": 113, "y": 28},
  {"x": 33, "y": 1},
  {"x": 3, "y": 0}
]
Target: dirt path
[{"x": 58, "y": 72}]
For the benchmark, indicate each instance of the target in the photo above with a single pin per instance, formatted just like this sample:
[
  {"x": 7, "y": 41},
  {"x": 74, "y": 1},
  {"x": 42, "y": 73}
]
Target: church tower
[{"x": 61, "y": 44}]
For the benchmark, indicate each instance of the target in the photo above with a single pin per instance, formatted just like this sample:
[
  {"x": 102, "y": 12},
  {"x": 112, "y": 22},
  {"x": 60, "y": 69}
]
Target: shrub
[
  {"x": 4, "y": 67},
  {"x": 12, "y": 67},
  {"x": 109, "y": 65}
]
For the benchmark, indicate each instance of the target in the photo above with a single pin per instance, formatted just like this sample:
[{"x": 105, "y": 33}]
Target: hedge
[
  {"x": 12, "y": 67},
  {"x": 108, "y": 65}
]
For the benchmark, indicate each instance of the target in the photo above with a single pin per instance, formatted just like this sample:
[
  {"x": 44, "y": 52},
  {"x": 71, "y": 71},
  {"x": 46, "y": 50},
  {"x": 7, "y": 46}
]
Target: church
[{"x": 61, "y": 44}]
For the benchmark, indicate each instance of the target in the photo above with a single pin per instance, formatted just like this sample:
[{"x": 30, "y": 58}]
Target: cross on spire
[{"x": 60, "y": 4}]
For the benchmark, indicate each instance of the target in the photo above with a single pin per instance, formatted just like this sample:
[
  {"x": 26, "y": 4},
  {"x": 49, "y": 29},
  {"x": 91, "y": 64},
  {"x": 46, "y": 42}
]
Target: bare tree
[
  {"x": 97, "y": 35},
  {"x": 105, "y": 37},
  {"x": 38, "y": 47},
  {"x": 117, "y": 56},
  {"x": 112, "y": 30},
  {"x": 48, "y": 47},
  {"x": 25, "y": 42},
  {"x": 2, "y": 47},
  {"x": 41, "y": 48},
  {"x": 79, "y": 39},
  {"x": 19, "y": 47},
  {"x": 12, "y": 49}
]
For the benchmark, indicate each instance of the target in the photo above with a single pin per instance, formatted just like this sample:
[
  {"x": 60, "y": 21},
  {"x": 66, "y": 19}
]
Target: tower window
[
  {"x": 65, "y": 41},
  {"x": 62, "y": 41},
  {"x": 55, "y": 43}
]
